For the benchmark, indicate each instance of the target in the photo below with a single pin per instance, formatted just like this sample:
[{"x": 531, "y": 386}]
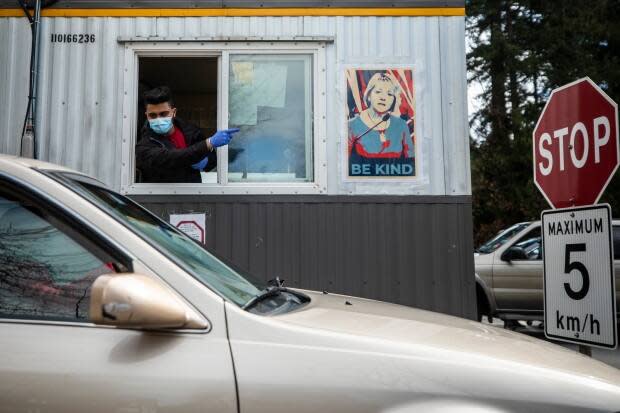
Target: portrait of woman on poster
[{"x": 376, "y": 134}]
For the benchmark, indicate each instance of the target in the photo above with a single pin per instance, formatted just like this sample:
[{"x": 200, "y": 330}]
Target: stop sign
[{"x": 575, "y": 145}]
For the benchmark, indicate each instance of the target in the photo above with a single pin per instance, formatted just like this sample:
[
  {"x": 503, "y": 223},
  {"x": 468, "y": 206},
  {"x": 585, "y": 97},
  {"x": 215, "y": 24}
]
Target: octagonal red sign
[{"x": 575, "y": 145}]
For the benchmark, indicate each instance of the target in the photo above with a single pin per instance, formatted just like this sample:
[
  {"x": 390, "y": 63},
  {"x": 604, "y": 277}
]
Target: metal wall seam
[
  {"x": 45, "y": 59},
  {"x": 5, "y": 81},
  {"x": 453, "y": 100},
  {"x": 52, "y": 144},
  {"x": 15, "y": 69},
  {"x": 430, "y": 128}
]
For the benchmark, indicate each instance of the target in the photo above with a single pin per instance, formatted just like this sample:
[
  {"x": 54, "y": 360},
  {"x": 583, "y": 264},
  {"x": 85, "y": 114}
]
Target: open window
[
  {"x": 194, "y": 81},
  {"x": 270, "y": 91}
]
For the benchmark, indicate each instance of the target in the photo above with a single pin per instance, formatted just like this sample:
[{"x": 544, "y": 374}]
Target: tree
[
  {"x": 520, "y": 51},
  {"x": 502, "y": 58}
]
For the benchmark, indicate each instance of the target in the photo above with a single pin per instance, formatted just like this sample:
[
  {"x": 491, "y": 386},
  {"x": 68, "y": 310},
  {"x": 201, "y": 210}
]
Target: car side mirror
[
  {"x": 138, "y": 301},
  {"x": 514, "y": 253}
]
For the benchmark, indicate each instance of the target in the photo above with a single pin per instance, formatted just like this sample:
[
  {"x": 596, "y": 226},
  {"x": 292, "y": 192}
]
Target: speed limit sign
[{"x": 579, "y": 285}]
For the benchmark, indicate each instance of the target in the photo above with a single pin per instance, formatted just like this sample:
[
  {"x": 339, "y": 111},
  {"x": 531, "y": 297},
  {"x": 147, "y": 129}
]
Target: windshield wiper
[{"x": 266, "y": 293}]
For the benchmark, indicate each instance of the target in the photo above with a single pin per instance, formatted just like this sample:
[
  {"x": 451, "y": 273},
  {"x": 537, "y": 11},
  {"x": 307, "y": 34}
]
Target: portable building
[{"x": 311, "y": 189}]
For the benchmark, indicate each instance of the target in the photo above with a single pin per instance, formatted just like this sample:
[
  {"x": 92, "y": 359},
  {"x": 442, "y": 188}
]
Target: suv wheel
[{"x": 482, "y": 303}]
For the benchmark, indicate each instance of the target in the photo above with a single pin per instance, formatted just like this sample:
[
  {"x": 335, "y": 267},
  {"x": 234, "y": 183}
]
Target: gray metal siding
[
  {"x": 415, "y": 251},
  {"x": 111, "y": 4}
]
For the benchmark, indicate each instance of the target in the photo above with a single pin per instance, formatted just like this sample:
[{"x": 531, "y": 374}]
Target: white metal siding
[{"x": 81, "y": 87}]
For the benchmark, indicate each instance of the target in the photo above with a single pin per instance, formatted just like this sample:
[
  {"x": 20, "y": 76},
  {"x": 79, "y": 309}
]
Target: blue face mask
[{"x": 161, "y": 125}]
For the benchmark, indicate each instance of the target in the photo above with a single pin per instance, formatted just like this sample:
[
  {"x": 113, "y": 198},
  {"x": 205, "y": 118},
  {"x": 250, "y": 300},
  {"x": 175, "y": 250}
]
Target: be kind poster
[{"x": 380, "y": 123}]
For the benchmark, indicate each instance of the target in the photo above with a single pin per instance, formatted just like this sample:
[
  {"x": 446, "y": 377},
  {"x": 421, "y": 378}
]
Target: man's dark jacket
[{"x": 157, "y": 160}]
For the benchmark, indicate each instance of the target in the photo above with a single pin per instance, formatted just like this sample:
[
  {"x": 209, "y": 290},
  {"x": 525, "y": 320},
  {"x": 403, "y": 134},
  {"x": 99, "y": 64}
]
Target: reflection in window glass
[
  {"x": 44, "y": 274},
  {"x": 270, "y": 101}
]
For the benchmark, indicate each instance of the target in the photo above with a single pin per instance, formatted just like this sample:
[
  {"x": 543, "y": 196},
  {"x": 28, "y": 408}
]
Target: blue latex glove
[
  {"x": 222, "y": 137},
  {"x": 202, "y": 164}
]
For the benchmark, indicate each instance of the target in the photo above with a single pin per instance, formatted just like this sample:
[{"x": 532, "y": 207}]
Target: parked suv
[{"x": 509, "y": 273}]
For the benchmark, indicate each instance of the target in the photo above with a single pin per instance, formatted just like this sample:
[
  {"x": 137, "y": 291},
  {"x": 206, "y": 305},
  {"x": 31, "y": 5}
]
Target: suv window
[
  {"x": 616, "y": 242},
  {"x": 531, "y": 244},
  {"x": 501, "y": 238},
  {"x": 46, "y": 268}
]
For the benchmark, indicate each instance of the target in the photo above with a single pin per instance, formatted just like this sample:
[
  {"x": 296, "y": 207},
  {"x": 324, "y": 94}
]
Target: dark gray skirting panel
[{"x": 411, "y": 250}]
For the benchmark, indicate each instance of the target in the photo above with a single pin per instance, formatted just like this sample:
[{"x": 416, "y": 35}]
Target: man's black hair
[{"x": 160, "y": 94}]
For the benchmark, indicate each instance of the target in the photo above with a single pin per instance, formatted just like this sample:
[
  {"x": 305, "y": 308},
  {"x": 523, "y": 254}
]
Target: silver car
[{"x": 106, "y": 308}]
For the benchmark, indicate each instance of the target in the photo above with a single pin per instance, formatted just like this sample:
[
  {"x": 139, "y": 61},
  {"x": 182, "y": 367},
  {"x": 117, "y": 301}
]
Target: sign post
[{"x": 576, "y": 153}]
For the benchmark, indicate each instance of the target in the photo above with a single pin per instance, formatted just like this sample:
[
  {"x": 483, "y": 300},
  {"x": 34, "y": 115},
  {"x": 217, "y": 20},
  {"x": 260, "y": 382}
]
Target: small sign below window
[{"x": 192, "y": 225}]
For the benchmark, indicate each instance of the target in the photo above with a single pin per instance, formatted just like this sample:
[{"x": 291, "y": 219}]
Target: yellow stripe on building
[{"x": 324, "y": 11}]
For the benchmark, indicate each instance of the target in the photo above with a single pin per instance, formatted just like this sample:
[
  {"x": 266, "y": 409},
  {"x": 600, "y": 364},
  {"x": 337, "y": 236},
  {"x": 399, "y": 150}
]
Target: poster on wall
[{"x": 380, "y": 124}]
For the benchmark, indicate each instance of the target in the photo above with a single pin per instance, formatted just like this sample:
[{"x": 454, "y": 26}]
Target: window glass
[
  {"x": 44, "y": 273},
  {"x": 270, "y": 101},
  {"x": 501, "y": 238},
  {"x": 187, "y": 253},
  {"x": 531, "y": 244}
]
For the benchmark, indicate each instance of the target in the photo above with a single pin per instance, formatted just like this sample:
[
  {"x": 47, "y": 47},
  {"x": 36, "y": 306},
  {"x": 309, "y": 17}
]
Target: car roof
[{"x": 35, "y": 163}]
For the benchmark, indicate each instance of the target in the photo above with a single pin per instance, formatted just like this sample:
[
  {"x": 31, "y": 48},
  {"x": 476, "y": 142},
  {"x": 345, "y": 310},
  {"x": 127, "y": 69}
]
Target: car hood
[{"x": 400, "y": 328}]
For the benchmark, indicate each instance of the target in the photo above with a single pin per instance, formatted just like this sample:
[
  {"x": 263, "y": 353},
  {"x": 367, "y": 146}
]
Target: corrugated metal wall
[
  {"x": 409, "y": 250},
  {"x": 81, "y": 87}
]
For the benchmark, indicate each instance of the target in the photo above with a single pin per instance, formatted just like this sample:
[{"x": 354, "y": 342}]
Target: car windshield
[
  {"x": 184, "y": 251},
  {"x": 501, "y": 238}
]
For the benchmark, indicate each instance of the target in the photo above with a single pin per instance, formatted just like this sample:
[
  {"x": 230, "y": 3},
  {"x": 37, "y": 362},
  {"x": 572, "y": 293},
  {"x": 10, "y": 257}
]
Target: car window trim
[{"x": 79, "y": 324}]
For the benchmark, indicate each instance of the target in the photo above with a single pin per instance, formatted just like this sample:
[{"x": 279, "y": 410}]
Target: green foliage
[{"x": 520, "y": 51}]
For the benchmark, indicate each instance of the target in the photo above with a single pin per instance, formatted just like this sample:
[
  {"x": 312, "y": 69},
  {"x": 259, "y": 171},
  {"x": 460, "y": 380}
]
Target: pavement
[{"x": 611, "y": 357}]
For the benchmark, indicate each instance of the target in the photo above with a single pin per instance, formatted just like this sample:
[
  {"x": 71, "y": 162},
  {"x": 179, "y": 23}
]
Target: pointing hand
[{"x": 222, "y": 137}]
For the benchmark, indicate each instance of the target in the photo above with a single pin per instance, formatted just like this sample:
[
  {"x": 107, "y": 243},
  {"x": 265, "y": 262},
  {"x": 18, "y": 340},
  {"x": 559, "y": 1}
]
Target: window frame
[{"x": 134, "y": 50}]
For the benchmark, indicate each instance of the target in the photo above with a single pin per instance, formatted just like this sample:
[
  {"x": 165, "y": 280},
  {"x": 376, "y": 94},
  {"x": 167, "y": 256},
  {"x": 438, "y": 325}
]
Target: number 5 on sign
[
  {"x": 582, "y": 270},
  {"x": 579, "y": 284}
]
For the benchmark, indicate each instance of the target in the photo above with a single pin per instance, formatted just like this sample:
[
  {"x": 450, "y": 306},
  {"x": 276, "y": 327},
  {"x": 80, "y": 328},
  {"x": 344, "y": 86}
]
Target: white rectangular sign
[
  {"x": 192, "y": 225},
  {"x": 579, "y": 285}
]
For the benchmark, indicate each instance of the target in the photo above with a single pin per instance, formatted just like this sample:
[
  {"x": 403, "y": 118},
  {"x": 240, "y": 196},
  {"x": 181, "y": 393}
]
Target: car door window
[
  {"x": 531, "y": 244},
  {"x": 46, "y": 267}
]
